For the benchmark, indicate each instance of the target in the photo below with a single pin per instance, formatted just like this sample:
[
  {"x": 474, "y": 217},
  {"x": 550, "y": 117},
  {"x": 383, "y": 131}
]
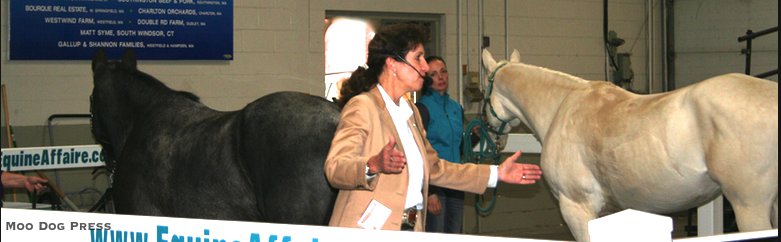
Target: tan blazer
[{"x": 365, "y": 127}]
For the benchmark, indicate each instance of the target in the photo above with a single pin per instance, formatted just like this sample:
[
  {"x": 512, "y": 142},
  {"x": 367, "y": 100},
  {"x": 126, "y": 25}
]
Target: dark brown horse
[{"x": 177, "y": 157}]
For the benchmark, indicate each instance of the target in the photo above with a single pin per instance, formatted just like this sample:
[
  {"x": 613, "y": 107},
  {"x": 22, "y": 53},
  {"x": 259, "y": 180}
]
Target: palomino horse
[
  {"x": 605, "y": 149},
  {"x": 177, "y": 157}
]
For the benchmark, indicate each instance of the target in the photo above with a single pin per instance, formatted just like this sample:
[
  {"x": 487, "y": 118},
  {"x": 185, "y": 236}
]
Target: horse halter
[
  {"x": 488, "y": 149},
  {"x": 92, "y": 121},
  {"x": 105, "y": 144},
  {"x": 487, "y": 102}
]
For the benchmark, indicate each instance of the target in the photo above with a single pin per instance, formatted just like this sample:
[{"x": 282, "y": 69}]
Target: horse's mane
[
  {"x": 552, "y": 74},
  {"x": 157, "y": 84}
]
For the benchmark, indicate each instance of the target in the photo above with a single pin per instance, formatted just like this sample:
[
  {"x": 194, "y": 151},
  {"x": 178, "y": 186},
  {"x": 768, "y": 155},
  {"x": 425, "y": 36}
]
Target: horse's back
[
  {"x": 738, "y": 91},
  {"x": 284, "y": 140}
]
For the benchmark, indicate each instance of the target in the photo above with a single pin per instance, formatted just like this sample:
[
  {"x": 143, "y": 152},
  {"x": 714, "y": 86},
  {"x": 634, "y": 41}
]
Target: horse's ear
[
  {"x": 99, "y": 58},
  {"x": 515, "y": 57},
  {"x": 488, "y": 60},
  {"x": 129, "y": 59}
]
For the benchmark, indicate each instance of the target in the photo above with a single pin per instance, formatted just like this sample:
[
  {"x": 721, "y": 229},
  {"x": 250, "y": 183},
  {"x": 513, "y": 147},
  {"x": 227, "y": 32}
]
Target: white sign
[
  {"x": 42, "y": 225},
  {"x": 52, "y": 157}
]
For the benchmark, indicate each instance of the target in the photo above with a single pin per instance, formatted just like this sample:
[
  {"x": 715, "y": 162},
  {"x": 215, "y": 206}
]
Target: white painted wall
[{"x": 706, "y": 38}]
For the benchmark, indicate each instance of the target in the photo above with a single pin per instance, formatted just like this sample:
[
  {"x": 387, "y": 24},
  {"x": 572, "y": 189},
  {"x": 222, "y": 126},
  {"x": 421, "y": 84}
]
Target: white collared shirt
[{"x": 400, "y": 114}]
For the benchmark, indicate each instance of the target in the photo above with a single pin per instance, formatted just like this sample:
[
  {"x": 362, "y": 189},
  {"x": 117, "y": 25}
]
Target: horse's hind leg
[
  {"x": 751, "y": 217},
  {"x": 754, "y": 200},
  {"x": 748, "y": 175}
]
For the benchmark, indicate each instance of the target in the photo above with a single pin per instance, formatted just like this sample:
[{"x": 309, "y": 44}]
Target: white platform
[{"x": 631, "y": 225}]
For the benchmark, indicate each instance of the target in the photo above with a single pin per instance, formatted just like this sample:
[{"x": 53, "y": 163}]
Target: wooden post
[{"x": 7, "y": 118}]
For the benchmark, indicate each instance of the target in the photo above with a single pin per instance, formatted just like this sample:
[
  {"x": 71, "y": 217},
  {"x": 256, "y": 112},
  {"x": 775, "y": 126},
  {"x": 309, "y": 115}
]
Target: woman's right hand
[{"x": 389, "y": 160}]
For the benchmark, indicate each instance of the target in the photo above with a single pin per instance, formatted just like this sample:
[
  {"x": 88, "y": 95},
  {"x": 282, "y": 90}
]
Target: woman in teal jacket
[{"x": 443, "y": 119}]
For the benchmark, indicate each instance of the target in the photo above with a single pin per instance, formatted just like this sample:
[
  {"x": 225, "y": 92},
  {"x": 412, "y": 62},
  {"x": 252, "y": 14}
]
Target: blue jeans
[{"x": 450, "y": 219}]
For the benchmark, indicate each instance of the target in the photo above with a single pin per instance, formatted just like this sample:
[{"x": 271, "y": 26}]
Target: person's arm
[
  {"x": 348, "y": 166},
  {"x": 15, "y": 180},
  {"x": 345, "y": 165},
  {"x": 514, "y": 173}
]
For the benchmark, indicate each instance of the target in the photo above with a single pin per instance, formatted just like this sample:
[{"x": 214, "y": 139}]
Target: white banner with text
[
  {"x": 47, "y": 225},
  {"x": 52, "y": 157}
]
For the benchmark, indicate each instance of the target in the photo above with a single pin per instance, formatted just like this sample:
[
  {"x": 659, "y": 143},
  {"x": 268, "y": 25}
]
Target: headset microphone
[{"x": 398, "y": 57}]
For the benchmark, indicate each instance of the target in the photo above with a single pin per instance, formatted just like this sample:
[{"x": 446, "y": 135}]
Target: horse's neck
[
  {"x": 148, "y": 94},
  {"x": 537, "y": 93},
  {"x": 148, "y": 99}
]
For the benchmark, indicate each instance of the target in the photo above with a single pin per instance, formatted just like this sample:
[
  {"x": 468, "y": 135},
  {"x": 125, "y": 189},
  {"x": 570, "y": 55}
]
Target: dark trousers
[{"x": 450, "y": 219}]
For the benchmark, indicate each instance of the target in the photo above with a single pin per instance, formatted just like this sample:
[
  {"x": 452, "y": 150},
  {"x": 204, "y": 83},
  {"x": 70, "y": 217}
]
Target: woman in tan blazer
[{"x": 380, "y": 159}]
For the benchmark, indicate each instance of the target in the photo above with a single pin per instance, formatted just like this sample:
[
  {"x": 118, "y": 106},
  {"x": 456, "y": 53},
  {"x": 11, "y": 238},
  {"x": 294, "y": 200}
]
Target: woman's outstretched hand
[{"x": 518, "y": 173}]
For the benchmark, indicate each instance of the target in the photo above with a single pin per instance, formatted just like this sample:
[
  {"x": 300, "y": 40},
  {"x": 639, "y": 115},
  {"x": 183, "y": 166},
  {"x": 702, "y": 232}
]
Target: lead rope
[{"x": 487, "y": 151}]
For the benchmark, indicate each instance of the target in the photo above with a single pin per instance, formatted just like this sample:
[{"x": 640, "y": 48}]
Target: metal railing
[{"x": 748, "y": 38}]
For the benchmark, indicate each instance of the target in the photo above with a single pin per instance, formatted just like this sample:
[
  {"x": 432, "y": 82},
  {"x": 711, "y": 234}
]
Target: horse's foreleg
[{"x": 577, "y": 215}]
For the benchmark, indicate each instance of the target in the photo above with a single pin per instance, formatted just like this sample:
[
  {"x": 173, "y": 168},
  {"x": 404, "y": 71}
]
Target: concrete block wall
[{"x": 278, "y": 45}]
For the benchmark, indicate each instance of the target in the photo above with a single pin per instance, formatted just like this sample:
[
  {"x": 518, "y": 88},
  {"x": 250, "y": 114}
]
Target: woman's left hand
[{"x": 518, "y": 173}]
